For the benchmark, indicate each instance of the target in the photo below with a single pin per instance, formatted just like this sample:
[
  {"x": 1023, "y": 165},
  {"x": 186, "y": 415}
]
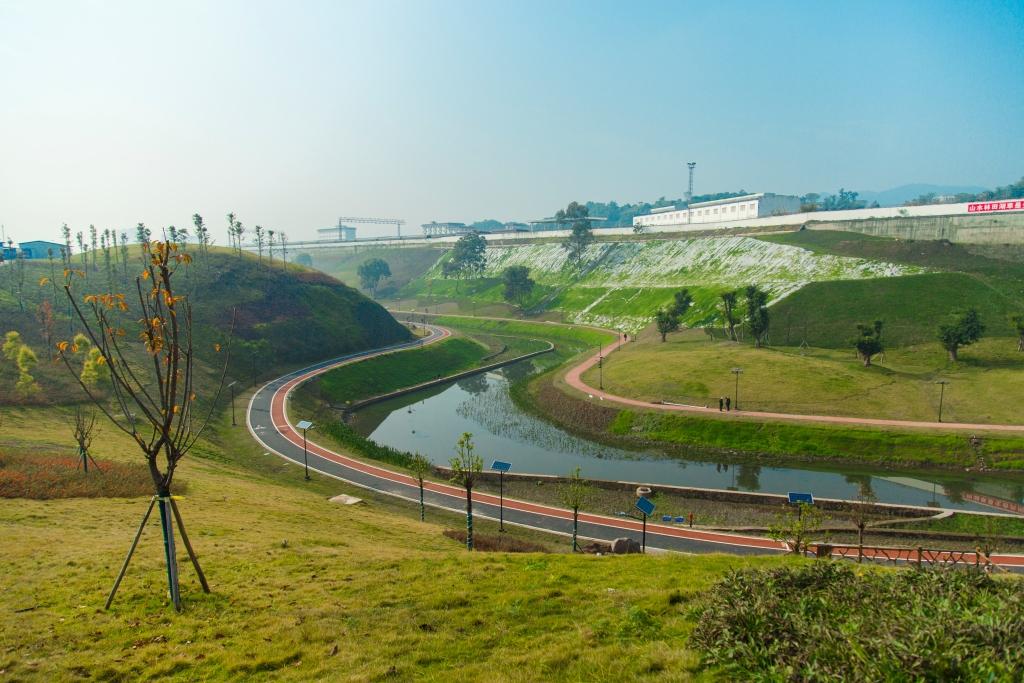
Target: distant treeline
[{"x": 1011, "y": 191}]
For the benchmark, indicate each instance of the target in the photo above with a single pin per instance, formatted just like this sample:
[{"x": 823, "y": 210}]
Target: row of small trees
[{"x": 753, "y": 315}]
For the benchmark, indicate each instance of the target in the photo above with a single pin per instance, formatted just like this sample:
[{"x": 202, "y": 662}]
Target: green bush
[{"x": 827, "y": 622}]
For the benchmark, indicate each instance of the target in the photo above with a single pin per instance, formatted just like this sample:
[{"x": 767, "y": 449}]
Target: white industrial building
[{"x": 758, "y": 205}]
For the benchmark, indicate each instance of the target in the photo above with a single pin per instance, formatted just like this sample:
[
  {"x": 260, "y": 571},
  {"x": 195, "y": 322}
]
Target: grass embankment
[
  {"x": 690, "y": 369},
  {"x": 824, "y": 313},
  {"x": 392, "y": 371},
  {"x": 305, "y": 589},
  {"x": 406, "y": 263}
]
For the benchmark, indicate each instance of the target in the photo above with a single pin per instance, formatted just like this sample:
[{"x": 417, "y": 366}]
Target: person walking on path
[
  {"x": 721, "y": 402},
  {"x": 728, "y": 403}
]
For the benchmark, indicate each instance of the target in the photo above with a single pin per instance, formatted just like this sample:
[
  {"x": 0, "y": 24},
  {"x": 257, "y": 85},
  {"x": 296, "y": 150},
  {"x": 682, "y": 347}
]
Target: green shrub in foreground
[{"x": 827, "y": 622}]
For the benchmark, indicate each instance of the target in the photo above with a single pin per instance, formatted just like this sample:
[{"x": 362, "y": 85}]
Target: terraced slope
[{"x": 621, "y": 284}]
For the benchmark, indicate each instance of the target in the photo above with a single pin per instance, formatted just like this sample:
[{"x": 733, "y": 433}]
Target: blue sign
[
  {"x": 645, "y": 506},
  {"x": 795, "y": 498},
  {"x": 500, "y": 466}
]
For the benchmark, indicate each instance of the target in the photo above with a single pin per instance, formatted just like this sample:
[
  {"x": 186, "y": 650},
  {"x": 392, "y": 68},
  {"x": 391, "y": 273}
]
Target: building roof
[
  {"x": 730, "y": 200},
  {"x": 31, "y": 243}
]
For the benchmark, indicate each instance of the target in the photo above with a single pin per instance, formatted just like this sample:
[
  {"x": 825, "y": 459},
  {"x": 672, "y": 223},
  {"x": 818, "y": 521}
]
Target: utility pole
[{"x": 689, "y": 192}]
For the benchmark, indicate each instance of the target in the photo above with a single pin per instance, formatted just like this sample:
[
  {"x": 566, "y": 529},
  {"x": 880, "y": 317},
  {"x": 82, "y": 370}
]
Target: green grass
[
  {"x": 305, "y": 589},
  {"x": 382, "y": 374},
  {"x": 405, "y": 263},
  {"x": 690, "y": 369},
  {"x": 577, "y": 335},
  {"x": 974, "y": 524},
  {"x": 827, "y": 313}
]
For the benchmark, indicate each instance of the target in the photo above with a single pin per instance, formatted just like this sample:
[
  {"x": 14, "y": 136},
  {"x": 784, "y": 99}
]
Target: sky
[{"x": 291, "y": 114}]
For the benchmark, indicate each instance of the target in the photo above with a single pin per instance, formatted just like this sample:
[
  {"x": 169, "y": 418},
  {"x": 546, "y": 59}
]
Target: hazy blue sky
[{"x": 293, "y": 113}]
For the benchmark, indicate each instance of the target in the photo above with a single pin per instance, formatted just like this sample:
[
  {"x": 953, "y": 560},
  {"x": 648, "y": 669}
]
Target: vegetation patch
[
  {"x": 827, "y": 622},
  {"x": 47, "y": 475},
  {"x": 393, "y": 371},
  {"x": 496, "y": 543}
]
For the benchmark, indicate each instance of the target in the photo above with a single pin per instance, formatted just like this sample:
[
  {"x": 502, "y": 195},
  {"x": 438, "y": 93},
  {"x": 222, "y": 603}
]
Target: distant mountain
[{"x": 898, "y": 195}]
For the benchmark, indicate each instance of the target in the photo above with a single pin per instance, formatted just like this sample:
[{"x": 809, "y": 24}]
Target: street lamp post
[
  {"x": 737, "y": 372},
  {"x": 600, "y": 367},
  {"x": 232, "y": 388},
  {"x": 942, "y": 393},
  {"x": 304, "y": 425}
]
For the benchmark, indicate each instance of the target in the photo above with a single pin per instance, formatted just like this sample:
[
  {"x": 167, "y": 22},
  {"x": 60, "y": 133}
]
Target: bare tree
[
  {"x": 84, "y": 427},
  {"x": 152, "y": 402}
]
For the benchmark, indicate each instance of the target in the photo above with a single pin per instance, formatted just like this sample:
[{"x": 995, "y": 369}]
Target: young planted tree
[
  {"x": 92, "y": 244},
  {"x": 124, "y": 257},
  {"x": 84, "y": 427},
  {"x": 729, "y": 313},
  {"x": 1018, "y": 324},
  {"x": 239, "y": 232},
  {"x": 469, "y": 257},
  {"x": 756, "y": 316},
  {"x": 574, "y": 494},
  {"x": 466, "y": 468},
  {"x": 258, "y": 231},
  {"x": 371, "y": 272},
  {"x": 580, "y": 236},
  {"x": 44, "y": 316},
  {"x": 66, "y": 232},
  {"x": 518, "y": 284},
  {"x": 142, "y": 235},
  {"x": 797, "y": 528},
  {"x": 420, "y": 467},
  {"x": 963, "y": 331},
  {"x": 284, "y": 249},
  {"x": 868, "y": 341},
  {"x": 666, "y": 321},
  {"x": 152, "y": 402},
  {"x": 270, "y": 246},
  {"x": 202, "y": 234},
  {"x": 26, "y": 386},
  {"x": 231, "y": 230},
  {"x": 82, "y": 254}
]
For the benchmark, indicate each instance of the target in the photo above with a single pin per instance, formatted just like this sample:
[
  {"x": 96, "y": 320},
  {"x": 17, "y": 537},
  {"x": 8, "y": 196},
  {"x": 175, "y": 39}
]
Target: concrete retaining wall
[{"x": 1006, "y": 228}]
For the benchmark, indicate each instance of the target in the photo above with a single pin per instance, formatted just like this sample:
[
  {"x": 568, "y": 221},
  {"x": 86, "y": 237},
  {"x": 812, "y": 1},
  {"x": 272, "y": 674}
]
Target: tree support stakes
[
  {"x": 188, "y": 546},
  {"x": 167, "y": 520},
  {"x": 131, "y": 551}
]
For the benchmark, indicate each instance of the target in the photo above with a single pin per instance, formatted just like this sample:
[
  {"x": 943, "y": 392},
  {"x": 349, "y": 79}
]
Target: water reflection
[{"x": 432, "y": 421}]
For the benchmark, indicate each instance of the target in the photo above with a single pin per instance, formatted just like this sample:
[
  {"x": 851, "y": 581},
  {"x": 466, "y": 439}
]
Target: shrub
[
  {"x": 44, "y": 476},
  {"x": 827, "y": 622}
]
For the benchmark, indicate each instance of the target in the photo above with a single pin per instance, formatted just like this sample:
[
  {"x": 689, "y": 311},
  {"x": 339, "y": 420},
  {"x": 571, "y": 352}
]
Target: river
[{"x": 431, "y": 421}]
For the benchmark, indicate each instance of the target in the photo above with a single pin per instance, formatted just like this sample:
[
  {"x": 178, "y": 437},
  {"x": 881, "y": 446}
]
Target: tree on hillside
[
  {"x": 798, "y": 528},
  {"x": 258, "y": 230},
  {"x": 682, "y": 300},
  {"x": 153, "y": 403},
  {"x": 729, "y": 313},
  {"x": 810, "y": 202},
  {"x": 26, "y": 386},
  {"x": 202, "y": 233},
  {"x": 270, "y": 246},
  {"x": 518, "y": 284},
  {"x": 580, "y": 237},
  {"x": 141, "y": 236},
  {"x": 371, "y": 272},
  {"x": 466, "y": 469},
  {"x": 574, "y": 494},
  {"x": 868, "y": 341},
  {"x": 845, "y": 199},
  {"x": 666, "y": 321},
  {"x": 468, "y": 258},
  {"x": 420, "y": 467},
  {"x": 1018, "y": 324},
  {"x": 756, "y": 315},
  {"x": 231, "y": 229},
  {"x": 963, "y": 331}
]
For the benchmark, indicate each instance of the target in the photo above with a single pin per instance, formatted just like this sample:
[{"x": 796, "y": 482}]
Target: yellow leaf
[
  {"x": 62, "y": 346},
  {"x": 145, "y": 275},
  {"x": 216, "y": 347},
  {"x": 44, "y": 281}
]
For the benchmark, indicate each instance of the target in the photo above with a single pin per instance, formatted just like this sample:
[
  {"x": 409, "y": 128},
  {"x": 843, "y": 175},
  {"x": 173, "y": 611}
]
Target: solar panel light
[
  {"x": 304, "y": 425},
  {"x": 501, "y": 468}
]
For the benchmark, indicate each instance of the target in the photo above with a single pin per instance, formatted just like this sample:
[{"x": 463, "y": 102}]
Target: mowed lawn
[
  {"x": 689, "y": 368},
  {"x": 305, "y": 589}
]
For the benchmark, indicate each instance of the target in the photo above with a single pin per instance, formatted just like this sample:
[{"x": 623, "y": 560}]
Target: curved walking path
[
  {"x": 267, "y": 420},
  {"x": 574, "y": 378}
]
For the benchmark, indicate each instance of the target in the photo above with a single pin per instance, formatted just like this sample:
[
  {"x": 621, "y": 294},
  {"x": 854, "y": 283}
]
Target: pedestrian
[
  {"x": 690, "y": 518},
  {"x": 721, "y": 402},
  {"x": 728, "y": 403}
]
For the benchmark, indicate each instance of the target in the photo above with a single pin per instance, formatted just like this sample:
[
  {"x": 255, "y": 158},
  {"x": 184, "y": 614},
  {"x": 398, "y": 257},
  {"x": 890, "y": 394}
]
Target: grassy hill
[
  {"x": 281, "y": 316},
  {"x": 406, "y": 263},
  {"x": 620, "y": 284},
  {"x": 826, "y": 313}
]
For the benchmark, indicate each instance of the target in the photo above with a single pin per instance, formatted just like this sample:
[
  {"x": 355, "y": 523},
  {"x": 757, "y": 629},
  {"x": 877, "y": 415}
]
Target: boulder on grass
[{"x": 624, "y": 546}]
